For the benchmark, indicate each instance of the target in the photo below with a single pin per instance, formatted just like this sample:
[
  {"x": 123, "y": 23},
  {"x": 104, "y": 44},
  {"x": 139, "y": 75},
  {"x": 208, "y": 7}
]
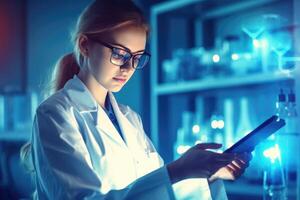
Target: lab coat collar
[
  {"x": 80, "y": 95},
  {"x": 128, "y": 130},
  {"x": 125, "y": 124},
  {"x": 84, "y": 101}
]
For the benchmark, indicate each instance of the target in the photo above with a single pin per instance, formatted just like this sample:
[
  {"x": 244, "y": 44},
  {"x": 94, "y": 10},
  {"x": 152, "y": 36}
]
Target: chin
[{"x": 115, "y": 89}]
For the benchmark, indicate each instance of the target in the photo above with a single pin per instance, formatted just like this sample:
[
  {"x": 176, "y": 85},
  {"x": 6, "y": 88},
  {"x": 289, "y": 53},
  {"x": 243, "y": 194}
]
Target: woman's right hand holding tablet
[{"x": 199, "y": 162}]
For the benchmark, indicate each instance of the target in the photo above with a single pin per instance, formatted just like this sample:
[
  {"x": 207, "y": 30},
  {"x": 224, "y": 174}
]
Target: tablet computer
[{"x": 263, "y": 131}]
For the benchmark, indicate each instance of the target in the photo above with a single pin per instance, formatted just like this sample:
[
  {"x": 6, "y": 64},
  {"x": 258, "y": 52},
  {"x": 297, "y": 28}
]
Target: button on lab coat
[{"x": 79, "y": 154}]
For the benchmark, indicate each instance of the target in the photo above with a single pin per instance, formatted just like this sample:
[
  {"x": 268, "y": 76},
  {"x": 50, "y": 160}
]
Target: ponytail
[{"x": 65, "y": 68}]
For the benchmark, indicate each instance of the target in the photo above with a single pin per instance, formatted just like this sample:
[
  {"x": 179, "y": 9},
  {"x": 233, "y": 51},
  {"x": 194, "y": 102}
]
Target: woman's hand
[
  {"x": 198, "y": 162},
  {"x": 233, "y": 170}
]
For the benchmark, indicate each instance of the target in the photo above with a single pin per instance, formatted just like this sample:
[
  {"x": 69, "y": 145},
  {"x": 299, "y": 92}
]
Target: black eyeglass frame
[{"x": 107, "y": 45}]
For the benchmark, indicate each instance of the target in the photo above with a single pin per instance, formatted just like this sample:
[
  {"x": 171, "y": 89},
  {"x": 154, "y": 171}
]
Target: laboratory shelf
[
  {"x": 218, "y": 83},
  {"x": 15, "y": 136},
  {"x": 185, "y": 24},
  {"x": 221, "y": 10}
]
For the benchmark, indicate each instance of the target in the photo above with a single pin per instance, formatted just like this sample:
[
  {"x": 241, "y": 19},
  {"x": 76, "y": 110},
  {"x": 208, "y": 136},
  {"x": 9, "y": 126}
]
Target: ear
[{"x": 83, "y": 44}]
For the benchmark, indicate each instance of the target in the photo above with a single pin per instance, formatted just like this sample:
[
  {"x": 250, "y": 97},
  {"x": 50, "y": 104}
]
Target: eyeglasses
[{"x": 120, "y": 56}]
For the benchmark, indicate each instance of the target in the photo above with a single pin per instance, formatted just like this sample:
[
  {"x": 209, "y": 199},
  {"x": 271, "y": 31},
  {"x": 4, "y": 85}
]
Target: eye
[
  {"x": 119, "y": 53},
  {"x": 117, "y": 56}
]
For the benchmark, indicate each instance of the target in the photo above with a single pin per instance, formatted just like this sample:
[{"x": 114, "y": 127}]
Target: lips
[{"x": 120, "y": 79}]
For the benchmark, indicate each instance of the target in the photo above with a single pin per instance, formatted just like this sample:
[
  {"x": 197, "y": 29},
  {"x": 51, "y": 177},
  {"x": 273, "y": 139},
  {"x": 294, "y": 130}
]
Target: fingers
[
  {"x": 236, "y": 164},
  {"x": 234, "y": 167},
  {"x": 245, "y": 157},
  {"x": 204, "y": 146},
  {"x": 237, "y": 167},
  {"x": 239, "y": 164},
  {"x": 242, "y": 164},
  {"x": 221, "y": 160},
  {"x": 236, "y": 173},
  {"x": 231, "y": 156}
]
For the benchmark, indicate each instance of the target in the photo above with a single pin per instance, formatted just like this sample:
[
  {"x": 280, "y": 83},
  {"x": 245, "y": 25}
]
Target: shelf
[
  {"x": 15, "y": 136},
  {"x": 220, "y": 11},
  {"x": 172, "y": 5},
  {"x": 218, "y": 83},
  {"x": 204, "y": 16},
  {"x": 236, "y": 7}
]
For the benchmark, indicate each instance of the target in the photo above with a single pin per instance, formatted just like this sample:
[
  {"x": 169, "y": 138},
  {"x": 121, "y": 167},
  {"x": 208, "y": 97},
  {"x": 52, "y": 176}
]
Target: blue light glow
[
  {"x": 221, "y": 124},
  {"x": 235, "y": 56},
  {"x": 196, "y": 129},
  {"x": 216, "y": 58},
  {"x": 273, "y": 153},
  {"x": 217, "y": 124},
  {"x": 256, "y": 43},
  {"x": 264, "y": 43},
  {"x": 203, "y": 138},
  {"x": 214, "y": 124}
]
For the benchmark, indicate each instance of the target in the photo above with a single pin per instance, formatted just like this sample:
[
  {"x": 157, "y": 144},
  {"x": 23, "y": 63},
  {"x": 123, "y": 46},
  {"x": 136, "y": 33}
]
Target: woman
[{"x": 87, "y": 146}]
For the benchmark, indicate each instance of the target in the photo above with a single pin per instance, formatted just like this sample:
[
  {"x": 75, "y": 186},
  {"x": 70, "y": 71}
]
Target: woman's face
[{"x": 108, "y": 75}]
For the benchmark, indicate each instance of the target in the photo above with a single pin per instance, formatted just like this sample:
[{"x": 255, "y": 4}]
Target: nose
[{"x": 127, "y": 65}]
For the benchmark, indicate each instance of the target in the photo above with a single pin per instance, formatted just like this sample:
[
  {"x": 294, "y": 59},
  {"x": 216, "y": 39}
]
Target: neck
[{"x": 97, "y": 90}]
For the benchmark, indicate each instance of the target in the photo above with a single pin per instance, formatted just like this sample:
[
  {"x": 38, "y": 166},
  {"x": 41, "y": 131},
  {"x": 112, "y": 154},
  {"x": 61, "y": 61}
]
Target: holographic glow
[
  {"x": 248, "y": 56},
  {"x": 221, "y": 124},
  {"x": 235, "y": 56},
  {"x": 214, "y": 124},
  {"x": 217, "y": 124},
  {"x": 256, "y": 43},
  {"x": 216, "y": 58},
  {"x": 273, "y": 153},
  {"x": 196, "y": 129},
  {"x": 203, "y": 138},
  {"x": 264, "y": 43}
]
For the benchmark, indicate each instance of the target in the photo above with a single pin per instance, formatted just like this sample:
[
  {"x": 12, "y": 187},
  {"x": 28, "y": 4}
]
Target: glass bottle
[
  {"x": 281, "y": 105},
  {"x": 244, "y": 124},
  {"x": 274, "y": 184},
  {"x": 291, "y": 136},
  {"x": 229, "y": 121}
]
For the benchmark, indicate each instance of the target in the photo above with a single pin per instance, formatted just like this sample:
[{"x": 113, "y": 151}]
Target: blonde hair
[{"x": 98, "y": 18}]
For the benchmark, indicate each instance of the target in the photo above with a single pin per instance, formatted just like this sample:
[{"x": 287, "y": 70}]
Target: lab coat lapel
[
  {"x": 87, "y": 105},
  {"x": 130, "y": 133},
  {"x": 107, "y": 127}
]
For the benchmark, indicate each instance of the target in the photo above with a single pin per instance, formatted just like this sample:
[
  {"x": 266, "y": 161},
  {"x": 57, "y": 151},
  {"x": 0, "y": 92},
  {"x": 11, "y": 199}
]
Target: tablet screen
[{"x": 263, "y": 131}]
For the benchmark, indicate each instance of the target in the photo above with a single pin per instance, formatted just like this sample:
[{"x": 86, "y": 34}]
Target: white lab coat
[{"x": 78, "y": 153}]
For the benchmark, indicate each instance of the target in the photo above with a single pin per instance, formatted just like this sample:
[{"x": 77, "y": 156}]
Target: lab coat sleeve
[
  {"x": 64, "y": 170},
  {"x": 217, "y": 190}
]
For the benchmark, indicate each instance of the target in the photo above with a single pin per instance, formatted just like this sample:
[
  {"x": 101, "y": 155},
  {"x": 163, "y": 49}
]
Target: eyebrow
[{"x": 120, "y": 45}]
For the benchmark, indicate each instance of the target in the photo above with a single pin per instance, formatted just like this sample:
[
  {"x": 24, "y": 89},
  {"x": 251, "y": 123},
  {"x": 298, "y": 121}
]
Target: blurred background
[{"x": 218, "y": 69}]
